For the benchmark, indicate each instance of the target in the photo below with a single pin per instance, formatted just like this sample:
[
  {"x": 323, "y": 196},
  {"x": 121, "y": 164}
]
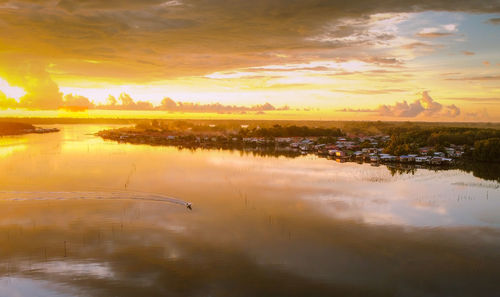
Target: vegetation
[
  {"x": 291, "y": 131},
  {"x": 487, "y": 150},
  {"x": 348, "y": 127},
  {"x": 405, "y": 140},
  {"x": 9, "y": 128}
]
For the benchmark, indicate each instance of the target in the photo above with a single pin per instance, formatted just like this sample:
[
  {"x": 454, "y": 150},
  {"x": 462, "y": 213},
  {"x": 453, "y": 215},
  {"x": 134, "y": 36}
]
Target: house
[
  {"x": 340, "y": 154},
  {"x": 411, "y": 158},
  {"x": 369, "y": 150},
  {"x": 422, "y": 159},
  {"x": 436, "y": 161},
  {"x": 404, "y": 159},
  {"x": 304, "y": 147},
  {"x": 283, "y": 139},
  {"x": 337, "y": 153},
  {"x": 424, "y": 150},
  {"x": 446, "y": 160},
  {"x": 374, "y": 158},
  {"x": 387, "y": 158},
  {"x": 358, "y": 154}
]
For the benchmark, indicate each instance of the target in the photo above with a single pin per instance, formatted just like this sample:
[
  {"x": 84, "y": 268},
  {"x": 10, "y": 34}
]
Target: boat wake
[{"x": 77, "y": 195}]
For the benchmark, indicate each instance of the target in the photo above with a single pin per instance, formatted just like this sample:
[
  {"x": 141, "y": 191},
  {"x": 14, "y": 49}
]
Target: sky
[{"x": 349, "y": 60}]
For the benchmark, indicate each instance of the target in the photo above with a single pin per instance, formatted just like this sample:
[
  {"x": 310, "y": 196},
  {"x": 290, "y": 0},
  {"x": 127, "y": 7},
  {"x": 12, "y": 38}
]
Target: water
[{"x": 80, "y": 216}]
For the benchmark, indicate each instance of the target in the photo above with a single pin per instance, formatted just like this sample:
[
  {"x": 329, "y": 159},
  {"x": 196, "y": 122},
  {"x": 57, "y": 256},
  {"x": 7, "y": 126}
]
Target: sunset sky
[{"x": 351, "y": 60}]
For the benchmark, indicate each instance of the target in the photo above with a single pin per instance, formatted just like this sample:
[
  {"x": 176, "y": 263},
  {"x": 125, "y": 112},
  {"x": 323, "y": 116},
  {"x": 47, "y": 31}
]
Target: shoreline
[
  {"x": 275, "y": 149},
  {"x": 13, "y": 128}
]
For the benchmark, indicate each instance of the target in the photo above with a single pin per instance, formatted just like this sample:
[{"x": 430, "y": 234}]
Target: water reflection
[
  {"x": 488, "y": 171},
  {"x": 260, "y": 226}
]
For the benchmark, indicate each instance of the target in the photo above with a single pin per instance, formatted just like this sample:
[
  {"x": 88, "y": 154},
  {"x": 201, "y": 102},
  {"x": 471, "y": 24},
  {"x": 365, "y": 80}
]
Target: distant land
[
  {"x": 17, "y": 128},
  {"x": 400, "y": 146},
  {"x": 238, "y": 122}
]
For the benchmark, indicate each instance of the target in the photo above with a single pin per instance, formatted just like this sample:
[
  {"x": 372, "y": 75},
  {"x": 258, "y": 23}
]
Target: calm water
[{"x": 78, "y": 218}]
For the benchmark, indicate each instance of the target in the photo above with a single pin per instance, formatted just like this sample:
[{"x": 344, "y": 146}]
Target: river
[{"x": 80, "y": 216}]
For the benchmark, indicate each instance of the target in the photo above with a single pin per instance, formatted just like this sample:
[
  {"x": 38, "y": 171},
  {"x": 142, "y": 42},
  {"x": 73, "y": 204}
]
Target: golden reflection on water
[{"x": 263, "y": 226}]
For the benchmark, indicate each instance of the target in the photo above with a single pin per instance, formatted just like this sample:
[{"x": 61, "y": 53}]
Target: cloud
[
  {"x": 138, "y": 42},
  {"x": 371, "y": 92},
  {"x": 480, "y": 115},
  {"x": 416, "y": 45},
  {"x": 143, "y": 41},
  {"x": 494, "y": 21},
  {"x": 425, "y": 106},
  {"x": 77, "y": 103},
  {"x": 484, "y": 77},
  {"x": 401, "y": 109},
  {"x": 111, "y": 100},
  {"x": 495, "y": 100},
  {"x": 450, "y": 27},
  {"x": 6, "y": 102},
  {"x": 433, "y": 34},
  {"x": 452, "y": 111},
  {"x": 127, "y": 103},
  {"x": 355, "y": 110},
  {"x": 41, "y": 91},
  {"x": 468, "y": 53},
  {"x": 431, "y": 107},
  {"x": 168, "y": 104}
]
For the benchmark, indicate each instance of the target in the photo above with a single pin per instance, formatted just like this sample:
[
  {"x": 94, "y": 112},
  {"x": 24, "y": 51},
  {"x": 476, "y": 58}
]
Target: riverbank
[
  {"x": 7, "y": 128},
  {"x": 341, "y": 150},
  {"x": 367, "y": 149}
]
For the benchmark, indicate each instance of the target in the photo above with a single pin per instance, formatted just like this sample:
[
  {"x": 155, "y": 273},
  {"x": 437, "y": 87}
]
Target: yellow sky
[{"x": 307, "y": 59}]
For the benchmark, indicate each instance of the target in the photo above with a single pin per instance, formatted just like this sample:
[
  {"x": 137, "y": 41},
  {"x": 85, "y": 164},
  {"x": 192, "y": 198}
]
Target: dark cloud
[
  {"x": 494, "y": 21},
  {"x": 139, "y": 41},
  {"x": 385, "y": 61},
  {"x": 147, "y": 40},
  {"x": 73, "y": 5}
]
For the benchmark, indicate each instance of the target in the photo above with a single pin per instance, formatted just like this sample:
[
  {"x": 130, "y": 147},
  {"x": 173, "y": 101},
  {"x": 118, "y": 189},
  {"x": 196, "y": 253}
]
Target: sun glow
[{"x": 11, "y": 91}]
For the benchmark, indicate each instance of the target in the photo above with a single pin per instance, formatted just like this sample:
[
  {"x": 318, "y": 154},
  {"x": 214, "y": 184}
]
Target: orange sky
[{"x": 357, "y": 60}]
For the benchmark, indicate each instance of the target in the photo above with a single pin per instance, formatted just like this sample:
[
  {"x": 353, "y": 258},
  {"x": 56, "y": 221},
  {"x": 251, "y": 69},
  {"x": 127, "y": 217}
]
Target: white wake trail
[{"x": 73, "y": 195}]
